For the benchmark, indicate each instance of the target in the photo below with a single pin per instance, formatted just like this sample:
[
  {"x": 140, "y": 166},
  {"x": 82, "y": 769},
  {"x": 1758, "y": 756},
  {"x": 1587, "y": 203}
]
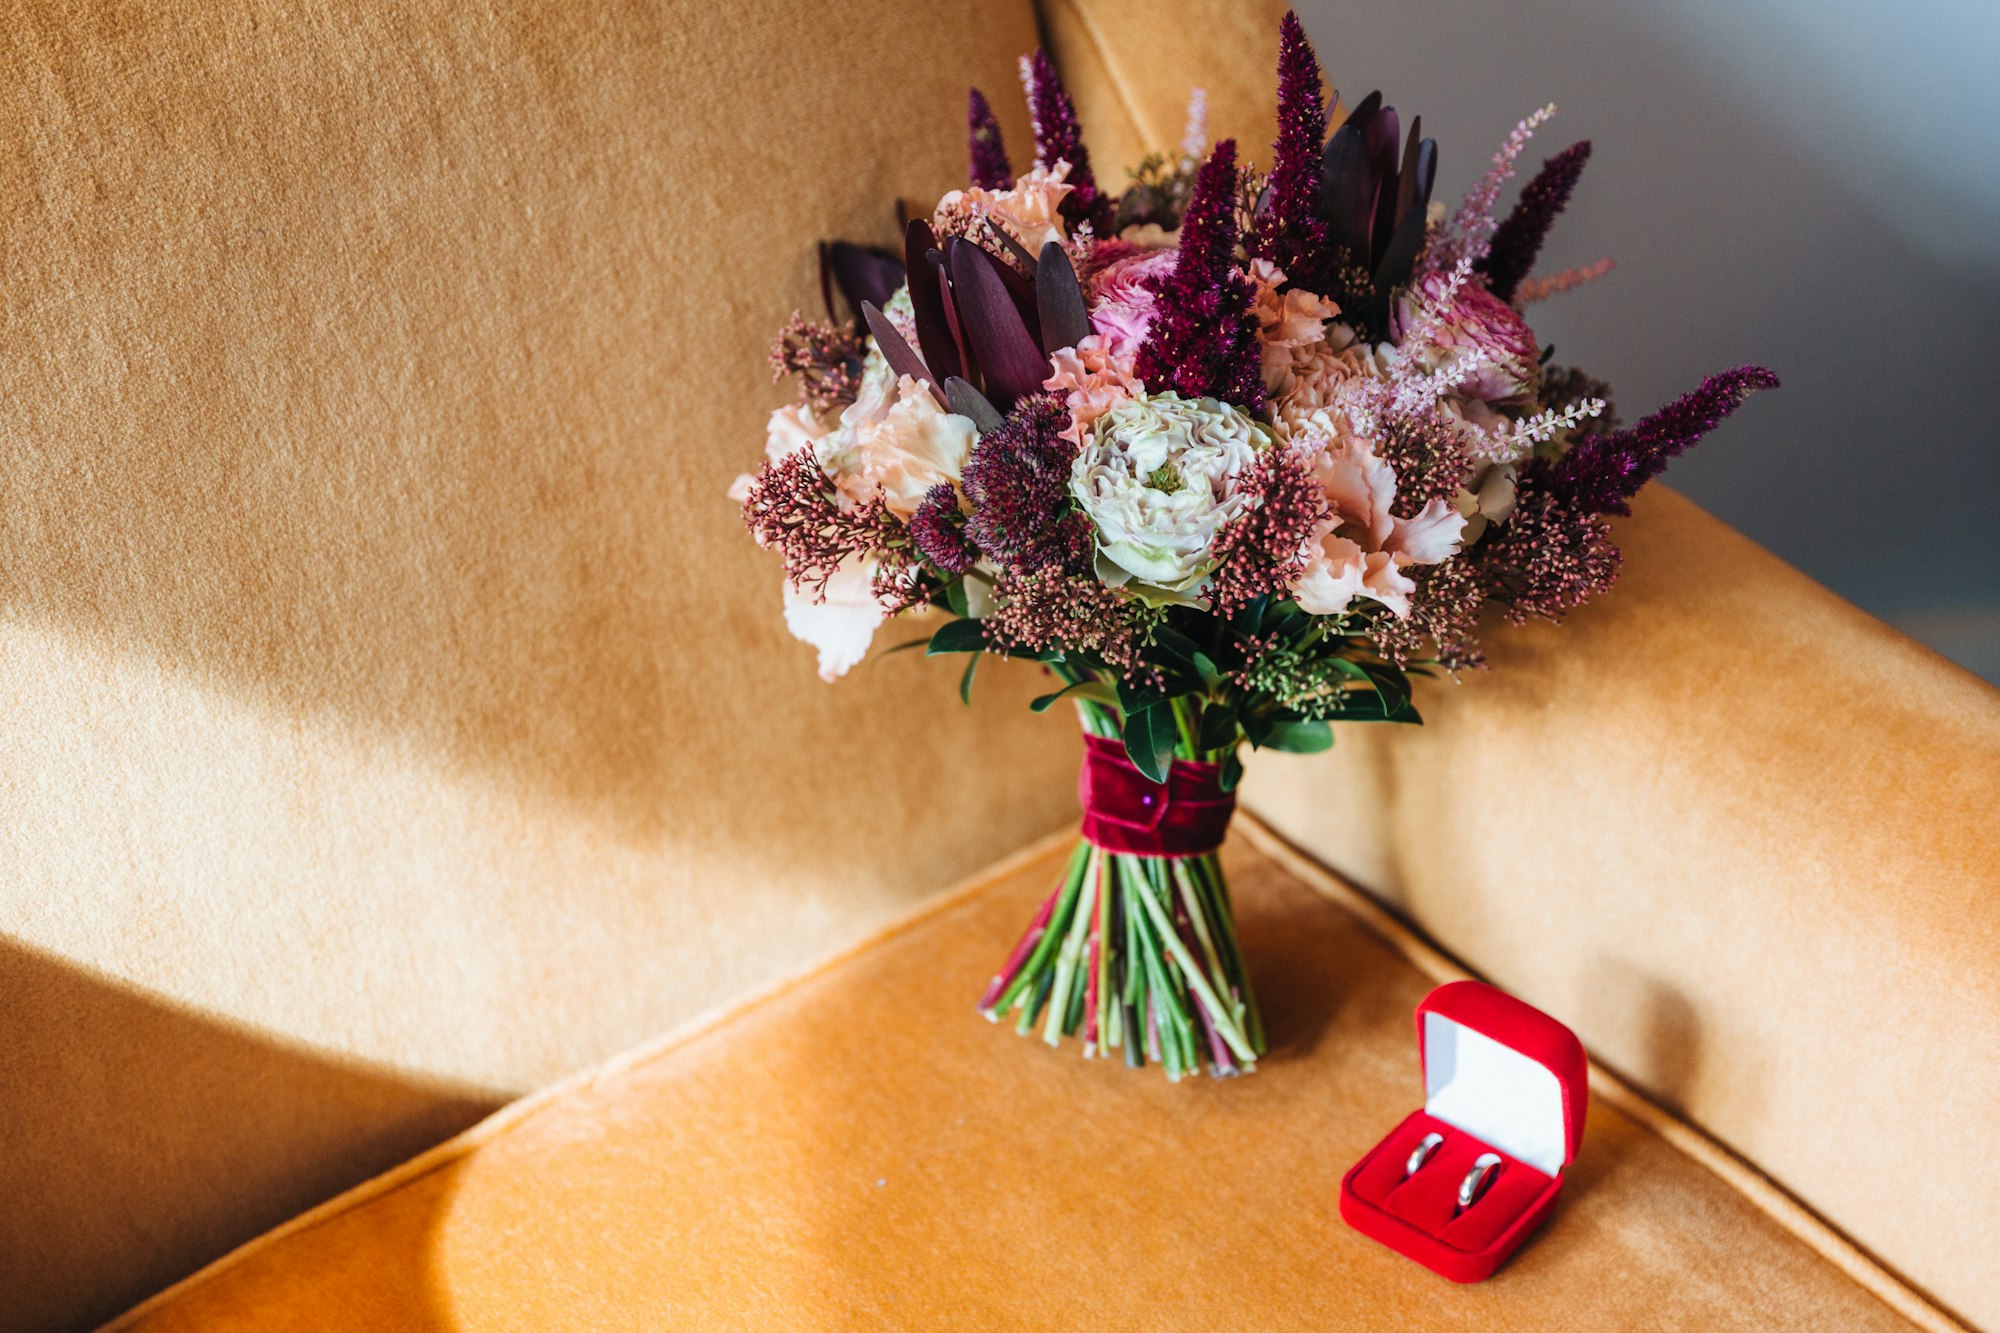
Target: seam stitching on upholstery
[
  {"x": 1764, "y": 1194},
  {"x": 520, "y": 1111}
]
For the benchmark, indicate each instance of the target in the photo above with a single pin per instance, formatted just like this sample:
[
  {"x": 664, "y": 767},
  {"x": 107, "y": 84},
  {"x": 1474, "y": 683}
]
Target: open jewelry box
[{"x": 1500, "y": 1077}]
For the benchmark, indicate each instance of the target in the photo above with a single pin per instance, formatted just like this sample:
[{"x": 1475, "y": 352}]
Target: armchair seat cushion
[{"x": 858, "y": 1149}]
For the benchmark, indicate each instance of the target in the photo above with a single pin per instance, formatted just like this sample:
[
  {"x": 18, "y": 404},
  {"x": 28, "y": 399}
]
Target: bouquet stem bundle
[{"x": 1136, "y": 954}]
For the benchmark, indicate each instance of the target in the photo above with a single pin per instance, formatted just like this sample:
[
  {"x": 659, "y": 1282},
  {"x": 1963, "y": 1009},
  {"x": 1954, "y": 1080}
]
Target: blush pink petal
[{"x": 1430, "y": 538}]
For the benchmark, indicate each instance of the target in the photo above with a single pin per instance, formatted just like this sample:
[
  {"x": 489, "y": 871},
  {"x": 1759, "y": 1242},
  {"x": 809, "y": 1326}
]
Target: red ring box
[{"x": 1500, "y": 1076}]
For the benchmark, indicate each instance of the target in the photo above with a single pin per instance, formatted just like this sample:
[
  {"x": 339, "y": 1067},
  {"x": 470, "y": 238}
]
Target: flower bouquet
[{"x": 1232, "y": 455}]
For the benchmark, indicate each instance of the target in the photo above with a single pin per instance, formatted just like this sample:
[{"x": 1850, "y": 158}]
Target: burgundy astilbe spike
[
  {"x": 1518, "y": 240},
  {"x": 990, "y": 169},
  {"x": 1602, "y": 473},
  {"x": 938, "y": 530},
  {"x": 1263, "y": 550},
  {"x": 1203, "y": 342},
  {"x": 1017, "y": 480},
  {"x": 1057, "y": 135},
  {"x": 1290, "y": 232}
]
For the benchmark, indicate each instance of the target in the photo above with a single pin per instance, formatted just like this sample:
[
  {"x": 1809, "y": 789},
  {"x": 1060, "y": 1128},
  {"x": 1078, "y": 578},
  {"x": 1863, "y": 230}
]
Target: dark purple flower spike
[
  {"x": 1058, "y": 137},
  {"x": 1516, "y": 241},
  {"x": 1203, "y": 341},
  {"x": 1602, "y": 473},
  {"x": 1289, "y": 231},
  {"x": 990, "y": 169}
]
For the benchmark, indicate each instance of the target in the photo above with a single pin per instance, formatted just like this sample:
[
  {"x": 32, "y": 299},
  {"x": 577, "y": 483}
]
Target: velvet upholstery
[
  {"x": 861, "y": 1151},
  {"x": 1742, "y": 837},
  {"x": 397, "y": 715},
  {"x": 398, "y": 721},
  {"x": 1743, "y": 832}
]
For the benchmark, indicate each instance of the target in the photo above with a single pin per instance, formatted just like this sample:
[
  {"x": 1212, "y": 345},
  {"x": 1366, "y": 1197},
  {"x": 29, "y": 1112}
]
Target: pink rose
[
  {"x": 1122, "y": 299},
  {"x": 1092, "y": 381},
  {"x": 1479, "y": 327}
]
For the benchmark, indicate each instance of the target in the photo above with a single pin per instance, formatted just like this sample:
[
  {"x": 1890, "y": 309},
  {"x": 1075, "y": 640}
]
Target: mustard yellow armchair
[{"x": 398, "y": 723}]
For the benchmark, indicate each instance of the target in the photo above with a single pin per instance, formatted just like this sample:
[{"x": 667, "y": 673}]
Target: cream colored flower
[
  {"x": 1312, "y": 378},
  {"x": 1288, "y": 322},
  {"x": 842, "y": 624},
  {"x": 790, "y": 429},
  {"x": 1158, "y": 476},
  {"x": 895, "y": 442}
]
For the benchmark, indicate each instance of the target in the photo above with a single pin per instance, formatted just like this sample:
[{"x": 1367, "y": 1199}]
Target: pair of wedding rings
[{"x": 1476, "y": 1181}]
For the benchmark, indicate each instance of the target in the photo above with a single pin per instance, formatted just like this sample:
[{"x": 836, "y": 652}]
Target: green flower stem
[
  {"x": 1136, "y": 953},
  {"x": 1035, "y": 971},
  {"x": 1220, "y": 1014},
  {"x": 1068, "y": 957}
]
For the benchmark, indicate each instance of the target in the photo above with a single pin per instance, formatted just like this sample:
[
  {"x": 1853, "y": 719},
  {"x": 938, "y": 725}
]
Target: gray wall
[{"x": 1809, "y": 184}]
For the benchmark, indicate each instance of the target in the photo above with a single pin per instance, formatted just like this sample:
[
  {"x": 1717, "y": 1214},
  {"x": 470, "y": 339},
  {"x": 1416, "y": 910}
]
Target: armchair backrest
[{"x": 397, "y": 716}]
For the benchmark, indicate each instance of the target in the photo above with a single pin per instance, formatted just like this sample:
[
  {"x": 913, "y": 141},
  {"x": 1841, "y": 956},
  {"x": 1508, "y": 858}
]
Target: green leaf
[
  {"x": 965, "y": 681},
  {"x": 1211, "y": 675},
  {"x": 1232, "y": 771},
  {"x": 1251, "y": 618},
  {"x": 1133, "y": 699},
  {"x": 1093, "y": 691},
  {"x": 1218, "y": 727},
  {"x": 1174, "y": 647},
  {"x": 1256, "y": 728},
  {"x": 958, "y": 636},
  {"x": 1149, "y": 740},
  {"x": 1300, "y": 737},
  {"x": 955, "y": 599},
  {"x": 1391, "y": 684},
  {"x": 1370, "y": 708}
]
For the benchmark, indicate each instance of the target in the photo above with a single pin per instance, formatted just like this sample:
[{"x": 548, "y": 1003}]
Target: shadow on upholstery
[
  {"x": 106, "y": 1184},
  {"x": 859, "y": 1150},
  {"x": 386, "y": 671}
]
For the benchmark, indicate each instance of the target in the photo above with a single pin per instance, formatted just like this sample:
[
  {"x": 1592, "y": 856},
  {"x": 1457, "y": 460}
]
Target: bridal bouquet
[{"x": 1232, "y": 455}]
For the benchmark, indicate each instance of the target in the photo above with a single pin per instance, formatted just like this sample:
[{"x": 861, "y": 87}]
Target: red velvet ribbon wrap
[{"x": 1125, "y": 811}]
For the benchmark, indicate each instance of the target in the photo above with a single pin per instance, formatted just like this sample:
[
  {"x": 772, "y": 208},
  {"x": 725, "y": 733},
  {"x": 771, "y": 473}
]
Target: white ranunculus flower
[{"x": 1158, "y": 476}]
